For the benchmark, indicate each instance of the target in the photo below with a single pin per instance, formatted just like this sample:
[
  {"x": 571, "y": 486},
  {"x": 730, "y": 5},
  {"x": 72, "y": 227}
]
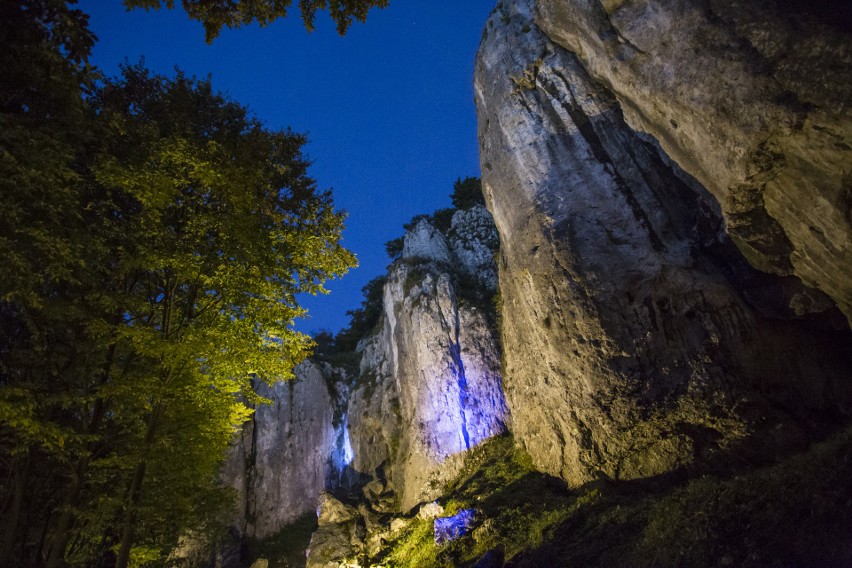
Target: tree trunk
[
  {"x": 56, "y": 557},
  {"x": 62, "y": 532},
  {"x": 12, "y": 518},
  {"x": 136, "y": 492}
]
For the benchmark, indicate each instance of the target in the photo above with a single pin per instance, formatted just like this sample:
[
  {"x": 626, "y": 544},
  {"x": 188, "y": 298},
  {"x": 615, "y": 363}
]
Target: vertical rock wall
[
  {"x": 431, "y": 384},
  {"x": 429, "y": 389},
  {"x": 637, "y": 336},
  {"x": 280, "y": 464},
  {"x": 753, "y": 100}
]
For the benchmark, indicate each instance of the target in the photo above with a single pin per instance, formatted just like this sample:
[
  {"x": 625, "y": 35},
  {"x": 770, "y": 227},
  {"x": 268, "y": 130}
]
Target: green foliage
[
  {"x": 442, "y": 219},
  {"x": 516, "y": 507},
  {"x": 467, "y": 192},
  {"x": 154, "y": 238},
  {"x": 394, "y": 247},
  {"x": 238, "y": 13},
  {"x": 415, "y": 547},
  {"x": 364, "y": 319},
  {"x": 792, "y": 513}
]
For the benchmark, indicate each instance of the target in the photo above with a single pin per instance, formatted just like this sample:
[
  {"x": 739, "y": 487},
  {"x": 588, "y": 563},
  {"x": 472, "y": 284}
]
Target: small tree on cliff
[{"x": 467, "y": 192}]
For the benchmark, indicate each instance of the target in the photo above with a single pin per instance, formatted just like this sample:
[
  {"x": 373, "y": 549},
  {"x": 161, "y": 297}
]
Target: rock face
[
  {"x": 644, "y": 329},
  {"x": 280, "y": 464},
  {"x": 753, "y": 100},
  {"x": 430, "y": 385},
  {"x": 429, "y": 389},
  {"x": 340, "y": 535}
]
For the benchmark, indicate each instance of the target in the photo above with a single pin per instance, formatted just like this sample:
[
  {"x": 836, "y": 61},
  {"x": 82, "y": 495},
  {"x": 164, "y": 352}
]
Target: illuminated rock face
[
  {"x": 280, "y": 464},
  {"x": 753, "y": 100},
  {"x": 637, "y": 336},
  {"x": 431, "y": 385}
]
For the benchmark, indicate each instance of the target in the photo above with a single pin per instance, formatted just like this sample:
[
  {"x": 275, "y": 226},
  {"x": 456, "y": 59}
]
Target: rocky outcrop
[
  {"x": 753, "y": 100},
  {"x": 280, "y": 464},
  {"x": 641, "y": 330},
  {"x": 430, "y": 384},
  {"x": 429, "y": 389},
  {"x": 339, "y": 537}
]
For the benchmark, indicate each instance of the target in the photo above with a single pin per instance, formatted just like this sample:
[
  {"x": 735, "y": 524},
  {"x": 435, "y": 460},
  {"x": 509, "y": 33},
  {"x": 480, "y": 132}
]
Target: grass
[
  {"x": 515, "y": 507},
  {"x": 795, "y": 512}
]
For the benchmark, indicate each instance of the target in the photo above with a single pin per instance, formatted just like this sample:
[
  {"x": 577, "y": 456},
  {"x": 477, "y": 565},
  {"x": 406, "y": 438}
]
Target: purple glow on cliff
[
  {"x": 343, "y": 454},
  {"x": 472, "y": 409},
  {"x": 451, "y": 528}
]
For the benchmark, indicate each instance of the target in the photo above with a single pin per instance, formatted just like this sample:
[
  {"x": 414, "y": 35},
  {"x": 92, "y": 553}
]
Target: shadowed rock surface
[
  {"x": 750, "y": 98},
  {"x": 638, "y": 338}
]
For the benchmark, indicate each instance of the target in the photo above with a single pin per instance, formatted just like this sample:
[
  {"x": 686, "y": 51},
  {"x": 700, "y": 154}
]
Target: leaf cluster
[
  {"x": 215, "y": 14},
  {"x": 154, "y": 237}
]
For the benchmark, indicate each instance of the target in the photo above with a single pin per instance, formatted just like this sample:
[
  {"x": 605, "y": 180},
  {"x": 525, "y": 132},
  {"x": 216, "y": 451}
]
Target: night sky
[{"x": 388, "y": 108}]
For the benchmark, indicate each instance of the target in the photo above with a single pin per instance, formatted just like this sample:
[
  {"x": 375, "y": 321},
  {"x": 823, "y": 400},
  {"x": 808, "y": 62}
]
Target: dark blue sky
[{"x": 388, "y": 108}]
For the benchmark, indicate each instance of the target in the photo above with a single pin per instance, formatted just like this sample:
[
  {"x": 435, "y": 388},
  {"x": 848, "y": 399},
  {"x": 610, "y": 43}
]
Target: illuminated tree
[{"x": 154, "y": 237}]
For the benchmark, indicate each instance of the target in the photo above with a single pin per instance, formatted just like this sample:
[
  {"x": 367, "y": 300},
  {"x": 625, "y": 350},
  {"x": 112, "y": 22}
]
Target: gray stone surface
[
  {"x": 280, "y": 463},
  {"x": 425, "y": 242},
  {"x": 340, "y": 536},
  {"x": 473, "y": 240},
  {"x": 637, "y": 338},
  {"x": 430, "y": 379},
  {"x": 753, "y": 100}
]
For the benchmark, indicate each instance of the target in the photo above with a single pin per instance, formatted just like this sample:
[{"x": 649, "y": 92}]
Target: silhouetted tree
[
  {"x": 215, "y": 14},
  {"x": 467, "y": 192}
]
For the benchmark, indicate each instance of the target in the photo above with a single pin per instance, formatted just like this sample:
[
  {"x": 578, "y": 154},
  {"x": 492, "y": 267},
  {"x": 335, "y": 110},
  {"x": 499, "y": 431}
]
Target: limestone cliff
[
  {"x": 753, "y": 100},
  {"x": 674, "y": 227},
  {"x": 430, "y": 385},
  {"x": 280, "y": 463},
  {"x": 428, "y": 390}
]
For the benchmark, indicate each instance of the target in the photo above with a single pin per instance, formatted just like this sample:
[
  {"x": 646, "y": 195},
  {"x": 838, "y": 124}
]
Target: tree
[
  {"x": 237, "y": 13},
  {"x": 43, "y": 245},
  {"x": 154, "y": 238},
  {"x": 222, "y": 228},
  {"x": 394, "y": 247},
  {"x": 362, "y": 320},
  {"x": 467, "y": 192}
]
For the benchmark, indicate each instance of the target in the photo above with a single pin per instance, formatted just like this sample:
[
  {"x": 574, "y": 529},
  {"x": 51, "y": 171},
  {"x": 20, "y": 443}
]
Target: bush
[
  {"x": 394, "y": 247},
  {"x": 467, "y": 193}
]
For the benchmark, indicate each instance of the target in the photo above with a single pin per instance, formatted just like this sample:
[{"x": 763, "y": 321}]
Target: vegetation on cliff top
[{"x": 339, "y": 349}]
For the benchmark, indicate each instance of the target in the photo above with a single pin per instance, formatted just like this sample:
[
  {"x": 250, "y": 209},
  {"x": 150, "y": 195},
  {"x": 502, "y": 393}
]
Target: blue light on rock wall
[
  {"x": 343, "y": 454},
  {"x": 451, "y": 528}
]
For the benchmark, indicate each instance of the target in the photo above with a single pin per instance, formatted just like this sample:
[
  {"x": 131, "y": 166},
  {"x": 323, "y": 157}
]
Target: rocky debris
[
  {"x": 331, "y": 510},
  {"x": 473, "y": 240},
  {"x": 279, "y": 465},
  {"x": 340, "y": 536},
  {"x": 637, "y": 337},
  {"x": 450, "y": 528},
  {"x": 430, "y": 511},
  {"x": 260, "y": 563}
]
